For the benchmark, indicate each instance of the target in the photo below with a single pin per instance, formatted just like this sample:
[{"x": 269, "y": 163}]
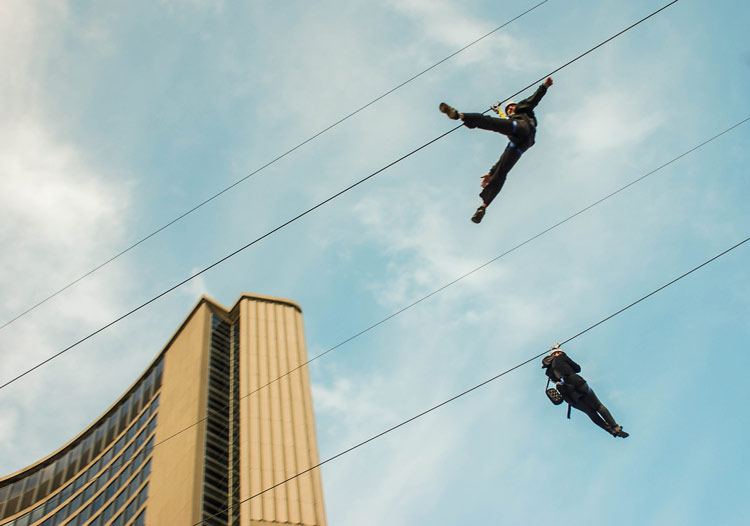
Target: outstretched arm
[{"x": 532, "y": 101}]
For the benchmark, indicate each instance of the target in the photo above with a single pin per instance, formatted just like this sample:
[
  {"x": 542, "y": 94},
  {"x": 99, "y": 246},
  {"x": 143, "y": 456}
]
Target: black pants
[
  {"x": 521, "y": 136},
  {"x": 589, "y": 403}
]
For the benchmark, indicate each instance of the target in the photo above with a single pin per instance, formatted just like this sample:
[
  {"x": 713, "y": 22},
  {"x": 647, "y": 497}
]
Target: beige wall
[
  {"x": 177, "y": 468},
  {"x": 277, "y": 426},
  {"x": 277, "y": 420}
]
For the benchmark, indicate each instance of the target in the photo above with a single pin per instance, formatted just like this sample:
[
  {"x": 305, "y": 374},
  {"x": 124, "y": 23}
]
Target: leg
[
  {"x": 498, "y": 174},
  {"x": 484, "y": 122},
  {"x": 581, "y": 405},
  {"x": 591, "y": 400}
]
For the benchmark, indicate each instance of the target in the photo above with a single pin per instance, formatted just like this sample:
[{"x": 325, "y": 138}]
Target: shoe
[
  {"x": 618, "y": 432},
  {"x": 450, "y": 111},
  {"x": 479, "y": 214}
]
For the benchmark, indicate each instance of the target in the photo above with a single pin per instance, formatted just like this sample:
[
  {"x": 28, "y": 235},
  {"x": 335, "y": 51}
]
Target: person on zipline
[
  {"x": 520, "y": 127},
  {"x": 562, "y": 370}
]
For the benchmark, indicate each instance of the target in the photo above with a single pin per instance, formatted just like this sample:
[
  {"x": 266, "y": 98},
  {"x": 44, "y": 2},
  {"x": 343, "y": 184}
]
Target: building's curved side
[{"x": 224, "y": 439}]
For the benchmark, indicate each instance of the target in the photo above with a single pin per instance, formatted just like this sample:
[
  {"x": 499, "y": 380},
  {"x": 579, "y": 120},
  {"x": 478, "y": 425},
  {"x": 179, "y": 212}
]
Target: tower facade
[{"x": 211, "y": 424}]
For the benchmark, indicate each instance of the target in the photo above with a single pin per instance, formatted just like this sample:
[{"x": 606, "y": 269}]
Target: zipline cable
[
  {"x": 299, "y": 216},
  {"x": 269, "y": 163},
  {"x": 437, "y": 291},
  {"x": 482, "y": 384}
]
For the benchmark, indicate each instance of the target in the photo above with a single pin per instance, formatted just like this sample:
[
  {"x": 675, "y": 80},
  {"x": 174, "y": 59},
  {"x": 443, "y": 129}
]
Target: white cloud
[{"x": 61, "y": 216}]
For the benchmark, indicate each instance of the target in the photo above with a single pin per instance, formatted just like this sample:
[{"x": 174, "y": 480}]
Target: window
[
  {"x": 111, "y": 489},
  {"x": 89, "y": 491},
  {"x": 85, "y": 514},
  {"x": 129, "y": 511},
  {"x": 38, "y": 513},
  {"x": 98, "y": 501},
  {"x": 75, "y": 504},
  {"x": 108, "y": 511},
  {"x": 80, "y": 481},
  {"x": 119, "y": 445}
]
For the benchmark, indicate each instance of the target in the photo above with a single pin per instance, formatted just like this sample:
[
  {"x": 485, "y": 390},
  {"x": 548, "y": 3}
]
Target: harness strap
[
  {"x": 568, "y": 411},
  {"x": 513, "y": 145}
]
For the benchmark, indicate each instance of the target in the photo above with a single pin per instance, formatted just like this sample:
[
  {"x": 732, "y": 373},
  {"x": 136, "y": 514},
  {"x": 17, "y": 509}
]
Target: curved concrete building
[{"x": 196, "y": 439}]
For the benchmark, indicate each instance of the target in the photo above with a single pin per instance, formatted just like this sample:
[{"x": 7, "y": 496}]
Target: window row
[
  {"x": 128, "y": 447},
  {"x": 44, "y": 480}
]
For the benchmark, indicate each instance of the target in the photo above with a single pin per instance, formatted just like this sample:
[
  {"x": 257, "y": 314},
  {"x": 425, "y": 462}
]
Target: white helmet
[{"x": 508, "y": 104}]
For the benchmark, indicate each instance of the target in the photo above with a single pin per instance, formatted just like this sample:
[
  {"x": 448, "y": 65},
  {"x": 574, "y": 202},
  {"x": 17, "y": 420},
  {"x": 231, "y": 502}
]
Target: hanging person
[
  {"x": 520, "y": 127},
  {"x": 562, "y": 370}
]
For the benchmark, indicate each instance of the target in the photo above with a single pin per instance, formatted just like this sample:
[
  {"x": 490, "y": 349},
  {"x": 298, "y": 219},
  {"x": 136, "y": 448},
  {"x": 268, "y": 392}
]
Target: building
[{"x": 209, "y": 425}]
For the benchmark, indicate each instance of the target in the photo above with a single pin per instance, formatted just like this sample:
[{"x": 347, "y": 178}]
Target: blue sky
[{"x": 119, "y": 117}]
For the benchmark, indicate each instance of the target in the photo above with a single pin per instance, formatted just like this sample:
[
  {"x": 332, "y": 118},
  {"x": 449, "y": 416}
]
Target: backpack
[{"x": 553, "y": 394}]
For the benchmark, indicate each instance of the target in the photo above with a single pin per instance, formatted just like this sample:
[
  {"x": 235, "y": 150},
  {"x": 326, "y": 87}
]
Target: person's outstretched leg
[
  {"x": 581, "y": 405},
  {"x": 594, "y": 403},
  {"x": 484, "y": 122}
]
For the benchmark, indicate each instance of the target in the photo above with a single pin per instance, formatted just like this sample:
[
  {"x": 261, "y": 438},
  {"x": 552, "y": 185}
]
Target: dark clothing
[
  {"x": 576, "y": 392},
  {"x": 520, "y": 129},
  {"x": 600, "y": 415}
]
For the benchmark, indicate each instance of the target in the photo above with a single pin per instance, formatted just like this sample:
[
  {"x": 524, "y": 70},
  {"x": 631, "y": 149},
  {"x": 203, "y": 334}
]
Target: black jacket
[
  {"x": 564, "y": 369},
  {"x": 525, "y": 108}
]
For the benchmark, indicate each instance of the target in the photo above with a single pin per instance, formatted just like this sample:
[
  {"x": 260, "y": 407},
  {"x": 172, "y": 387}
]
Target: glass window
[
  {"x": 85, "y": 514},
  {"x": 16, "y": 489},
  {"x": 151, "y": 426},
  {"x": 111, "y": 427},
  {"x": 138, "y": 399},
  {"x": 147, "y": 384},
  {"x": 111, "y": 489},
  {"x": 117, "y": 521},
  {"x": 108, "y": 511},
  {"x": 80, "y": 481},
  {"x": 53, "y": 502},
  {"x": 23, "y": 521},
  {"x": 66, "y": 492},
  {"x": 98, "y": 501},
  {"x": 142, "y": 419},
  {"x": 61, "y": 515},
  {"x": 96, "y": 466},
  {"x": 141, "y": 519},
  {"x": 154, "y": 405},
  {"x": 89, "y": 491},
  {"x": 38, "y": 513},
  {"x": 75, "y": 503},
  {"x": 107, "y": 457},
  {"x": 4, "y": 493},
  {"x": 119, "y": 445},
  {"x": 128, "y": 452},
  {"x": 147, "y": 468},
  {"x": 124, "y": 414},
  {"x": 129, "y": 511},
  {"x": 142, "y": 496},
  {"x": 125, "y": 473},
  {"x": 130, "y": 434},
  {"x": 140, "y": 438},
  {"x": 86, "y": 450},
  {"x": 31, "y": 480},
  {"x": 74, "y": 456},
  {"x": 120, "y": 500},
  {"x": 159, "y": 371}
]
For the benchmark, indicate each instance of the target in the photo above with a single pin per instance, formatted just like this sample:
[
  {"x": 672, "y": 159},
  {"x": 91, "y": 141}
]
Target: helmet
[{"x": 508, "y": 104}]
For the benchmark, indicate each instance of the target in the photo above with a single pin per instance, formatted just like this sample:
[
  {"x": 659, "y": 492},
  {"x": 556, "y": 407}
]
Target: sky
[{"x": 119, "y": 117}]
